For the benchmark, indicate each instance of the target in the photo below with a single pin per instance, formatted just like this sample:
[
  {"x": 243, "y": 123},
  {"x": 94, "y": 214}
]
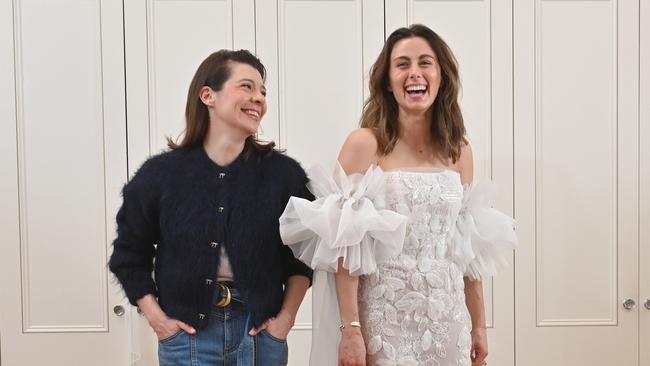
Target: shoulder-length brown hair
[
  {"x": 380, "y": 111},
  {"x": 214, "y": 71}
]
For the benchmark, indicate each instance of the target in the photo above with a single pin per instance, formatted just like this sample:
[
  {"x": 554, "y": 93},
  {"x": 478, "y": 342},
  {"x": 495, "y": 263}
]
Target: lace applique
[{"x": 413, "y": 307}]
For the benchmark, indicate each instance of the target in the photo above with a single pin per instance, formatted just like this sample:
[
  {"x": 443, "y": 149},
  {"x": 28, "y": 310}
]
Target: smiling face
[
  {"x": 414, "y": 75},
  {"x": 241, "y": 102}
]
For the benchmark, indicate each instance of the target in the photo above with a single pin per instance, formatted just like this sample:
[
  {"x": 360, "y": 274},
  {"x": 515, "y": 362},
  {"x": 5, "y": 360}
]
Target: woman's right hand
[
  {"x": 162, "y": 325},
  {"x": 167, "y": 327},
  {"x": 352, "y": 350}
]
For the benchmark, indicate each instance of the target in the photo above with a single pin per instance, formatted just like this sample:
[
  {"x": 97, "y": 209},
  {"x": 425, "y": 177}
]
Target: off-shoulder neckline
[{"x": 416, "y": 170}]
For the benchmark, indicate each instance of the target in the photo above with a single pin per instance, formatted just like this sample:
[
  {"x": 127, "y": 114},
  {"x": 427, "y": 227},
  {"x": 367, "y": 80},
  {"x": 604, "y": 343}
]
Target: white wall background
[{"x": 555, "y": 95}]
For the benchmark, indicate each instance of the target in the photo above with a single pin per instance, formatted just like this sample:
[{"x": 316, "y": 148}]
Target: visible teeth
[
  {"x": 252, "y": 112},
  {"x": 416, "y": 87}
]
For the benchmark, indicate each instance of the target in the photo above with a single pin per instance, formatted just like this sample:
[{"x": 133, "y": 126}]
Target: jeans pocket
[
  {"x": 283, "y": 341},
  {"x": 167, "y": 339},
  {"x": 271, "y": 351},
  {"x": 175, "y": 350}
]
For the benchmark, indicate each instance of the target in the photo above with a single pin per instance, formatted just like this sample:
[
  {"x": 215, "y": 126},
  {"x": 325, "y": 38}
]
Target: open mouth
[{"x": 416, "y": 90}]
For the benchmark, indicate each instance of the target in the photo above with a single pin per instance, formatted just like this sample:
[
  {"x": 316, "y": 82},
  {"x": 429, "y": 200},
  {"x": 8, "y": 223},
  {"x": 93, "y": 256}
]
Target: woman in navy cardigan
[{"x": 225, "y": 290}]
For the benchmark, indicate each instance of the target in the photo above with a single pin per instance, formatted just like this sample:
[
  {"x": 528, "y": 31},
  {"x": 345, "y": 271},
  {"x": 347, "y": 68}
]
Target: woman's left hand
[
  {"x": 479, "y": 346},
  {"x": 278, "y": 326}
]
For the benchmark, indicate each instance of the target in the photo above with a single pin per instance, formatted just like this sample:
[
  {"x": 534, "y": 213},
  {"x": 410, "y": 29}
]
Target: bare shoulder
[
  {"x": 466, "y": 164},
  {"x": 359, "y": 151}
]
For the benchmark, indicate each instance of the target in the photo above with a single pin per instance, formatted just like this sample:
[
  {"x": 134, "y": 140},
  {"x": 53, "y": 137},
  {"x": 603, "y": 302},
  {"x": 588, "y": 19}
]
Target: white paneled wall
[
  {"x": 571, "y": 101},
  {"x": 316, "y": 84},
  {"x": 45, "y": 126},
  {"x": 576, "y": 182},
  {"x": 554, "y": 98},
  {"x": 644, "y": 183},
  {"x": 61, "y": 180},
  {"x": 319, "y": 69},
  {"x": 165, "y": 41}
]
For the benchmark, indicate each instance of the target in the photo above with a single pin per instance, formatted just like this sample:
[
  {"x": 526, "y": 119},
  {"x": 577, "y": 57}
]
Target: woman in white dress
[{"x": 399, "y": 237}]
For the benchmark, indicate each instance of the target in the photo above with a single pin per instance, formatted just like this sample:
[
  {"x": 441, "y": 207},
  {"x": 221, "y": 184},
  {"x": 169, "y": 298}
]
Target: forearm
[
  {"x": 346, "y": 293},
  {"x": 474, "y": 301},
  {"x": 151, "y": 309},
  {"x": 294, "y": 294}
]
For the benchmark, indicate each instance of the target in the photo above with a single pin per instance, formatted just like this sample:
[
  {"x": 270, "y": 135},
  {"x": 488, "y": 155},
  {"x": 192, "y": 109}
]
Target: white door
[
  {"x": 62, "y": 160},
  {"x": 577, "y": 182},
  {"x": 644, "y": 133},
  {"x": 318, "y": 54},
  {"x": 480, "y": 35},
  {"x": 165, "y": 41}
]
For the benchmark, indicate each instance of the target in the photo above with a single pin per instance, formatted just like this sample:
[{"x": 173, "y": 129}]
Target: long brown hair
[
  {"x": 214, "y": 71},
  {"x": 380, "y": 111}
]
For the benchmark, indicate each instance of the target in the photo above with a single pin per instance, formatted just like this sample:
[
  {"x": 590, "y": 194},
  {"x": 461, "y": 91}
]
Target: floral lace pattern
[{"x": 413, "y": 307}]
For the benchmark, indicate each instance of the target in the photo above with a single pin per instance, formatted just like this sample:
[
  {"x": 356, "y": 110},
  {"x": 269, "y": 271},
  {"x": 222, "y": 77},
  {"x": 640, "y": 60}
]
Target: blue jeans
[{"x": 224, "y": 342}]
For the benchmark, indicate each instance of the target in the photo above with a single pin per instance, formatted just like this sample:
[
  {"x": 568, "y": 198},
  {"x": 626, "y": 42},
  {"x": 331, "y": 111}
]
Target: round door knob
[
  {"x": 119, "y": 310},
  {"x": 647, "y": 304},
  {"x": 629, "y": 304}
]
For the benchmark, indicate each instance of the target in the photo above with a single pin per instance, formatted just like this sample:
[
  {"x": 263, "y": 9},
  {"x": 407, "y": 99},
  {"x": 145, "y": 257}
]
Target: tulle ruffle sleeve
[
  {"x": 483, "y": 237},
  {"x": 346, "y": 220}
]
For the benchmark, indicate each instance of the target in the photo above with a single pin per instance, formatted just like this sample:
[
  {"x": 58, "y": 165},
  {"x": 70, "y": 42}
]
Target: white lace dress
[{"x": 412, "y": 236}]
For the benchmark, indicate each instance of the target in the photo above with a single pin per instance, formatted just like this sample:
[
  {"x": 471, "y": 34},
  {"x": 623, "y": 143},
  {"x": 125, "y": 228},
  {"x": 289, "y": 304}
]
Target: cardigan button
[
  {"x": 201, "y": 316},
  {"x": 214, "y": 244},
  {"x": 208, "y": 281},
  {"x": 222, "y": 175},
  {"x": 221, "y": 208}
]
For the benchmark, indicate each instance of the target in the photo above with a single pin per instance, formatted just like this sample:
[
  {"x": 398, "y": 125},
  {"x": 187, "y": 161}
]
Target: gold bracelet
[{"x": 355, "y": 324}]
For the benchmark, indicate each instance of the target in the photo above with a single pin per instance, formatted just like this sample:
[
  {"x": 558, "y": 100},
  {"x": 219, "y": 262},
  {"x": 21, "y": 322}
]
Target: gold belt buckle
[{"x": 224, "y": 301}]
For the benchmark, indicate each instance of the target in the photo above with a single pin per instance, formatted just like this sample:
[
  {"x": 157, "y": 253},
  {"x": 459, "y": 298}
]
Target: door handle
[
  {"x": 119, "y": 310},
  {"x": 629, "y": 304}
]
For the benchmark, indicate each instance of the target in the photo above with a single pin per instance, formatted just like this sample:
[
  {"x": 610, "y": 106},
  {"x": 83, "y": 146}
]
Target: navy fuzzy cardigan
[{"x": 180, "y": 208}]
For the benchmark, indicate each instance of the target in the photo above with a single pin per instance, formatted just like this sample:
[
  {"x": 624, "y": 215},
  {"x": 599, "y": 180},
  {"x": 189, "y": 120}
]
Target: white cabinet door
[
  {"x": 644, "y": 133},
  {"x": 318, "y": 54},
  {"x": 577, "y": 181},
  {"x": 63, "y": 162},
  {"x": 165, "y": 41},
  {"x": 480, "y": 35}
]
